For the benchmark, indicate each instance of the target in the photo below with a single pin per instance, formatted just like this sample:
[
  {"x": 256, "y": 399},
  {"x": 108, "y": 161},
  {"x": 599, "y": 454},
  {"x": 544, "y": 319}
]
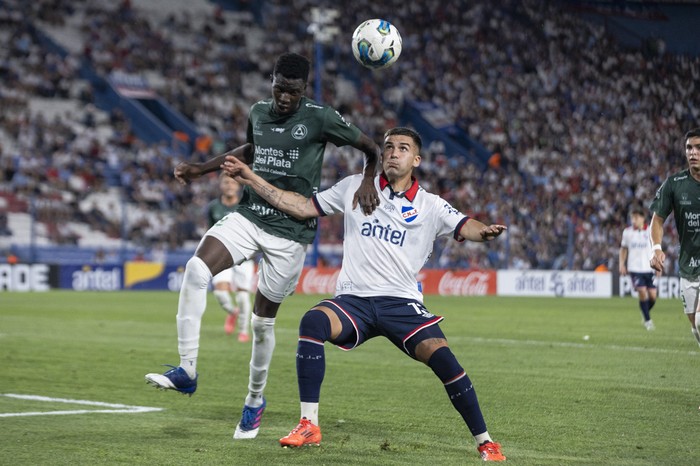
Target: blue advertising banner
[{"x": 131, "y": 276}]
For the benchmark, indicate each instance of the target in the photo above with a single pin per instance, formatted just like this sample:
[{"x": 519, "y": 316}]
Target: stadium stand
[{"x": 535, "y": 115}]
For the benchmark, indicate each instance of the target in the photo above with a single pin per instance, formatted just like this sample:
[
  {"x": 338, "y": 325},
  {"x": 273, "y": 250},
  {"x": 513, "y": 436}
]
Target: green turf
[{"x": 625, "y": 396}]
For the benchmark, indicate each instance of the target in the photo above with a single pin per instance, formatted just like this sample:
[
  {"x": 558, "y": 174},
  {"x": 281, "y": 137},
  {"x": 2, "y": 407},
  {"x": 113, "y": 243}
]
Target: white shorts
[
  {"x": 282, "y": 259},
  {"x": 690, "y": 291},
  {"x": 239, "y": 277}
]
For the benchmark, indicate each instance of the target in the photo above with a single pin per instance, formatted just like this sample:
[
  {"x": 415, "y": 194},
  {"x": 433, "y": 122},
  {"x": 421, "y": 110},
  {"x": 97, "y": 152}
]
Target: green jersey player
[
  {"x": 680, "y": 195},
  {"x": 286, "y": 139}
]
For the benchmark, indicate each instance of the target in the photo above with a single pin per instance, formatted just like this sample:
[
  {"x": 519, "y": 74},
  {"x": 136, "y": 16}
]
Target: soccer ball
[{"x": 376, "y": 43}]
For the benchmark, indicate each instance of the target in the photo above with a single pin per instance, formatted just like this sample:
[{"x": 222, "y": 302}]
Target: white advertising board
[{"x": 554, "y": 283}]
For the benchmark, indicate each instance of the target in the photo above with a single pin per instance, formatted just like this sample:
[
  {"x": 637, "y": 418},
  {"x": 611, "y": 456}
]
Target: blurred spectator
[
  {"x": 578, "y": 126},
  {"x": 4, "y": 224}
]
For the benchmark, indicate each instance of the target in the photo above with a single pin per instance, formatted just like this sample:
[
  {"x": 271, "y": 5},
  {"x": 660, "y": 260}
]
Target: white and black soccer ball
[{"x": 376, "y": 43}]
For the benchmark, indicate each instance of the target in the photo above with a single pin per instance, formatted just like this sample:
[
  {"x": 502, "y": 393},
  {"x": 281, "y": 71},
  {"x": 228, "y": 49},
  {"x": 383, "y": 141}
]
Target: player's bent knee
[
  {"x": 426, "y": 348},
  {"x": 197, "y": 273},
  {"x": 425, "y": 342},
  {"x": 315, "y": 324}
]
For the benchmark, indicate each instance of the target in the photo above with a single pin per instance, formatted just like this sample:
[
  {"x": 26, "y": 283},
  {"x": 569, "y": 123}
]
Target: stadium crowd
[{"x": 580, "y": 127}]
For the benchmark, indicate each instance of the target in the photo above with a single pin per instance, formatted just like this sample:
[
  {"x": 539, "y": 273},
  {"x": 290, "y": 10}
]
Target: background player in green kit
[
  {"x": 286, "y": 140},
  {"x": 238, "y": 279},
  {"x": 680, "y": 194}
]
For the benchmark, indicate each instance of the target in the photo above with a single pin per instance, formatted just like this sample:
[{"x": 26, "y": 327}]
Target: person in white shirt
[
  {"x": 377, "y": 291},
  {"x": 635, "y": 253}
]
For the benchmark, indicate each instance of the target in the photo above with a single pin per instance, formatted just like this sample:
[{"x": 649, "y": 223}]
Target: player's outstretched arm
[
  {"x": 185, "y": 172},
  {"x": 474, "y": 230},
  {"x": 366, "y": 195},
  {"x": 289, "y": 202}
]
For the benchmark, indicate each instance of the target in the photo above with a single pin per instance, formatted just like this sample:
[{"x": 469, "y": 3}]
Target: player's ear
[{"x": 416, "y": 160}]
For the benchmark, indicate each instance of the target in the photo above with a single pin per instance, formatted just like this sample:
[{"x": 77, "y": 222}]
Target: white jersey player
[
  {"x": 635, "y": 253},
  {"x": 403, "y": 230},
  {"x": 376, "y": 292}
]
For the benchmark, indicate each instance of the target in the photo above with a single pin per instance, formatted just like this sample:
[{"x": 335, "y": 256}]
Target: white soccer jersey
[
  {"x": 383, "y": 252},
  {"x": 638, "y": 244}
]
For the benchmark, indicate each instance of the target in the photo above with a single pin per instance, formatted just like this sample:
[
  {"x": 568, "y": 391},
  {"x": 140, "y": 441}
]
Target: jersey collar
[{"x": 409, "y": 194}]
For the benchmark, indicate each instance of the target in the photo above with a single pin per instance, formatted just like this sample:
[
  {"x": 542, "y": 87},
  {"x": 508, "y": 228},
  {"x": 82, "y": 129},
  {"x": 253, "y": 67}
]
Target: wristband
[{"x": 656, "y": 247}]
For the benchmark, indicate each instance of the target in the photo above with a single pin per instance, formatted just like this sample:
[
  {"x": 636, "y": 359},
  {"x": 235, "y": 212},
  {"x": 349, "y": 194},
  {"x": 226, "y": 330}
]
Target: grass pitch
[{"x": 623, "y": 396}]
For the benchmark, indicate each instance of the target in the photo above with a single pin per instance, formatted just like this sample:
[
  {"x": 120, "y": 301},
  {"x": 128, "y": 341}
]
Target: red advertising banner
[{"x": 471, "y": 282}]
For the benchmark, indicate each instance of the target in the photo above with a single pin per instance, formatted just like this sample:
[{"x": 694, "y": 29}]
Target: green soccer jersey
[
  {"x": 680, "y": 194},
  {"x": 216, "y": 210},
  {"x": 288, "y": 154}
]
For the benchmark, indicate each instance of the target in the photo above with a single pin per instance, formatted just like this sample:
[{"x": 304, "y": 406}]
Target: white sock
[
  {"x": 481, "y": 438},
  {"x": 696, "y": 334},
  {"x": 190, "y": 309},
  {"x": 310, "y": 412},
  {"x": 224, "y": 298},
  {"x": 243, "y": 303},
  {"x": 263, "y": 346}
]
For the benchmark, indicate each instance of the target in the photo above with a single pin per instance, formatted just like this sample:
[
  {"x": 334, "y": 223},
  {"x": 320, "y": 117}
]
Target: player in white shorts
[
  {"x": 377, "y": 293},
  {"x": 635, "y": 253},
  {"x": 286, "y": 140}
]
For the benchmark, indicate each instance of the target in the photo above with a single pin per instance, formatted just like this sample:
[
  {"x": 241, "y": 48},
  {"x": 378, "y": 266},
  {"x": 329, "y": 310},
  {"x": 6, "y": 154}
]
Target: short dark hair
[
  {"x": 403, "y": 131},
  {"x": 292, "y": 66},
  {"x": 637, "y": 210},
  {"x": 693, "y": 133}
]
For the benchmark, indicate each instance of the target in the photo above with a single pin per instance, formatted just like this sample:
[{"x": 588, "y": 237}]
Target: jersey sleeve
[
  {"x": 339, "y": 131},
  {"x": 449, "y": 219},
  {"x": 662, "y": 204},
  {"x": 334, "y": 199},
  {"x": 624, "y": 243}
]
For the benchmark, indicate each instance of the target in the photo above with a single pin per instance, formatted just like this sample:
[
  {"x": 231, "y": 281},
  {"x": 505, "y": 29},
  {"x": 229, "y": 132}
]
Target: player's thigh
[
  {"x": 690, "y": 292},
  {"x": 356, "y": 317},
  {"x": 280, "y": 267},
  {"x": 238, "y": 234},
  {"x": 406, "y": 322}
]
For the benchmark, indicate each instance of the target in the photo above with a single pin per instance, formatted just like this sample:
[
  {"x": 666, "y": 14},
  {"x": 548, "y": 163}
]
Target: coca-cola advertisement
[
  {"x": 472, "y": 282},
  {"x": 318, "y": 281},
  {"x": 440, "y": 282}
]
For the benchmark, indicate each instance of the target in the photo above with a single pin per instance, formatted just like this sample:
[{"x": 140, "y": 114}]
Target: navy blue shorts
[
  {"x": 398, "y": 319},
  {"x": 643, "y": 280}
]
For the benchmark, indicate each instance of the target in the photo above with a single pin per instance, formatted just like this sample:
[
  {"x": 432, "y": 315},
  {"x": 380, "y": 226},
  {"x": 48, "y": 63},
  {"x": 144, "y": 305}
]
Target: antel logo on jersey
[
  {"x": 383, "y": 232},
  {"x": 299, "y": 131},
  {"x": 409, "y": 213}
]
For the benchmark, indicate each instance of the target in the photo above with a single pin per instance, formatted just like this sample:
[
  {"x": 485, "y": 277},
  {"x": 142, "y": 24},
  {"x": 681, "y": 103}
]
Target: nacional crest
[{"x": 409, "y": 213}]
